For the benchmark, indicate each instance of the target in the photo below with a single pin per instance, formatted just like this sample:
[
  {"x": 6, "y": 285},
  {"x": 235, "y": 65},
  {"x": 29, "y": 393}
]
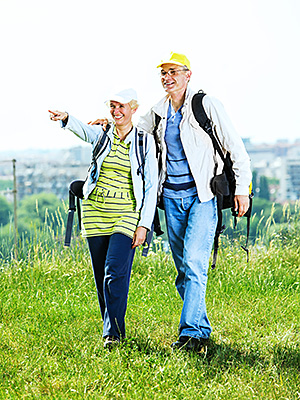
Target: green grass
[{"x": 50, "y": 329}]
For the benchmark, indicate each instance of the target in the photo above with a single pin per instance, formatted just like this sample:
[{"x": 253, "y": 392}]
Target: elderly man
[{"x": 187, "y": 167}]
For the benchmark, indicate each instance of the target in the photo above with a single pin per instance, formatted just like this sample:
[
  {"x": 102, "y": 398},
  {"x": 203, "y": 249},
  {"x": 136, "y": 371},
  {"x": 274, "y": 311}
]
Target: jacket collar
[
  {"x": 129, "y": 138},
  {"x": 162, "y": 106}
]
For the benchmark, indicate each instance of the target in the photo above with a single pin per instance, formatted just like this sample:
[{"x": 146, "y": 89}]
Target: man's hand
[
  {"x": 58, "y": 115},
  {"x": 139, "y": 236},
  {"x": 100, "y": 121},
  {"x": 241, "y": 204}
]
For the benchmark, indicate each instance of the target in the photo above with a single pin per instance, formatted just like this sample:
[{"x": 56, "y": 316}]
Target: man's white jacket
[{"x": 198, "y": 146}]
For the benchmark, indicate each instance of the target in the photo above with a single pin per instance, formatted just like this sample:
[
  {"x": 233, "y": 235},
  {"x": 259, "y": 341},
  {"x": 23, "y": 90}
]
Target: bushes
[
  {"x": 5, "y": 211},
  {"x": 40, "y": 220},
  {"x": 269, "y": 221}
]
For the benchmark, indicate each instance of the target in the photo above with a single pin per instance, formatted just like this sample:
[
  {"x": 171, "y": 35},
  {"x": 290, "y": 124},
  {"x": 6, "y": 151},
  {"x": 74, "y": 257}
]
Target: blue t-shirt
[{"x": 178, "y": 170}]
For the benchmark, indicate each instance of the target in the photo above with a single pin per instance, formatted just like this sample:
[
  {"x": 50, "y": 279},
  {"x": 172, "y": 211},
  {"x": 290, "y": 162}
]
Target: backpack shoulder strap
[
  {"x": 154, "y": 132},
  {"x": 141, "y": 139},
  {"x": 204, "y": 122},
  {"x": 140, "y": 149},
  {"x": 157, "y": 119},
  {"x": 98, "y": 150},
  {"x": 101, "y": 144},
  {"x": 199, "y": 112}
]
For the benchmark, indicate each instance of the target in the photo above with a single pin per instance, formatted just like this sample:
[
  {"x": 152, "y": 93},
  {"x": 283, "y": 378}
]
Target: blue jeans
[
  {"x": 112, "y": 258},
  {"x": 191, "y": 229}
]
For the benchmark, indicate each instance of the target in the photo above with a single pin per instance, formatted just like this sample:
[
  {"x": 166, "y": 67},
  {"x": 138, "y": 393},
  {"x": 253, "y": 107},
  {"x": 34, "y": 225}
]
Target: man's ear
[{"x": 133, "y": 110}]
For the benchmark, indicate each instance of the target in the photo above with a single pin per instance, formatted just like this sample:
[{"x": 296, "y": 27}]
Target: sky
[{"x": 69, "y": 55}]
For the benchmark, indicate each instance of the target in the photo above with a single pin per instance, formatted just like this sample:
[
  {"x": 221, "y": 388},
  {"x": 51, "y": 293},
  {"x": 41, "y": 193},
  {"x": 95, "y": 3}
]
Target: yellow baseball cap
[{"x": 178, "y": 59}]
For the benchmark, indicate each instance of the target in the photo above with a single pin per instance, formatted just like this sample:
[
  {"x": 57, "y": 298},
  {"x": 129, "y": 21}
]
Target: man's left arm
[{"x": 232, "y": 142}]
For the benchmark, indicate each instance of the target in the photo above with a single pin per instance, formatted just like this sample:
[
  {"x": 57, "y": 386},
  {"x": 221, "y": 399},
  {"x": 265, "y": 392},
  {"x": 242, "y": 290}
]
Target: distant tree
[
  {"x": 254, "y": 182},
  {"x": 36, "y": 209},
  {"x": 5, "y": 211},
  {"x": 264, "y": 192},
  {"x": 6, "y": 184}
]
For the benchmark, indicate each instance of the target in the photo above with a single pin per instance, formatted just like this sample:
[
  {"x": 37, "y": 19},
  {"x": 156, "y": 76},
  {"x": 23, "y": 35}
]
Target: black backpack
[{"x": 223, "y": 185}]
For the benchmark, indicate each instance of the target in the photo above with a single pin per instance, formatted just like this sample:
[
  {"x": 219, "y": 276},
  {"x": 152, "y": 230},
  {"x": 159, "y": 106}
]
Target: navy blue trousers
[{"x": 112, "y": 258}]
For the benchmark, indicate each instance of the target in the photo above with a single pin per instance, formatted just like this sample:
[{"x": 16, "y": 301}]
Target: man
[{"x": 188, "y": 162}]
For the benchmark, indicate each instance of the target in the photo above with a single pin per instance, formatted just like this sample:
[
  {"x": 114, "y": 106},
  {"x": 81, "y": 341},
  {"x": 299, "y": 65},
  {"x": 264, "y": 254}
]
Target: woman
[{"x": 118, "y": 205}]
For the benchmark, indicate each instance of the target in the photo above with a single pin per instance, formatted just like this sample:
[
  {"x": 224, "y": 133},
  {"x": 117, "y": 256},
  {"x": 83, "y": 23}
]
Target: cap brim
[
  {"x": 170, "y": 62},
  {"x": 118, "y": 99}
]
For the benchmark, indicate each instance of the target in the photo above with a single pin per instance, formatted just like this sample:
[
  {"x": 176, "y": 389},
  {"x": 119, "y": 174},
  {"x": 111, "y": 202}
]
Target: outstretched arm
[{"x": 85, "y": 132}]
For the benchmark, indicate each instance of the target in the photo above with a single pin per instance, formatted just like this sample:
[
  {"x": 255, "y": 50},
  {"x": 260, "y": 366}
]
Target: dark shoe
[
  {"x": 189, "y": 343},
  {"x": 111, "y": 342}
]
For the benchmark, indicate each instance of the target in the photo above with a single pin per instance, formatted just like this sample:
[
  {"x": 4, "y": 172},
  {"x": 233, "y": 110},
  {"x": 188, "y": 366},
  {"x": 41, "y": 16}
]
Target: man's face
[
  {"x": 121, "y": 113},
  {"x": 174, "y": 78}
]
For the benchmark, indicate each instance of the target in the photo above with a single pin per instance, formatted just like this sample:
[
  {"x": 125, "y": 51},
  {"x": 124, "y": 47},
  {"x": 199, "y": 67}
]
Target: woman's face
[{"x": 121, "y": 113}]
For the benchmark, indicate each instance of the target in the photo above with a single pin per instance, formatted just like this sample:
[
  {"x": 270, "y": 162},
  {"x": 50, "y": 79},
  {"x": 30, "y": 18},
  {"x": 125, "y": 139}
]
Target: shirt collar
[{"x": 171, "y": 111}]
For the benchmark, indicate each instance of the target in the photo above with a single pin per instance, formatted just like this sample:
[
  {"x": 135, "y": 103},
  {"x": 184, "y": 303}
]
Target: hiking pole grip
[{"x": 72, "y": 209}]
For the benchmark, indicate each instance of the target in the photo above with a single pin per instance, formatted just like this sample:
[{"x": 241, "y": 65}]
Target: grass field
[{"x": 50, "y": 326}]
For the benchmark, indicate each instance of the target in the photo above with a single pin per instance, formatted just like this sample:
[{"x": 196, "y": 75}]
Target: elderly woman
[{"x": 118, "y": 206}]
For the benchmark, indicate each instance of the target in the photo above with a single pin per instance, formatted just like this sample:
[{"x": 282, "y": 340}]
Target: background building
[{"x": 52, "y": 171}]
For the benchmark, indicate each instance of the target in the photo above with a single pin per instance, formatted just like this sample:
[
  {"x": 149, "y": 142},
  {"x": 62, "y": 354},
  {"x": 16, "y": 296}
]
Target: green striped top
[{"x": 110, "y": 208}]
